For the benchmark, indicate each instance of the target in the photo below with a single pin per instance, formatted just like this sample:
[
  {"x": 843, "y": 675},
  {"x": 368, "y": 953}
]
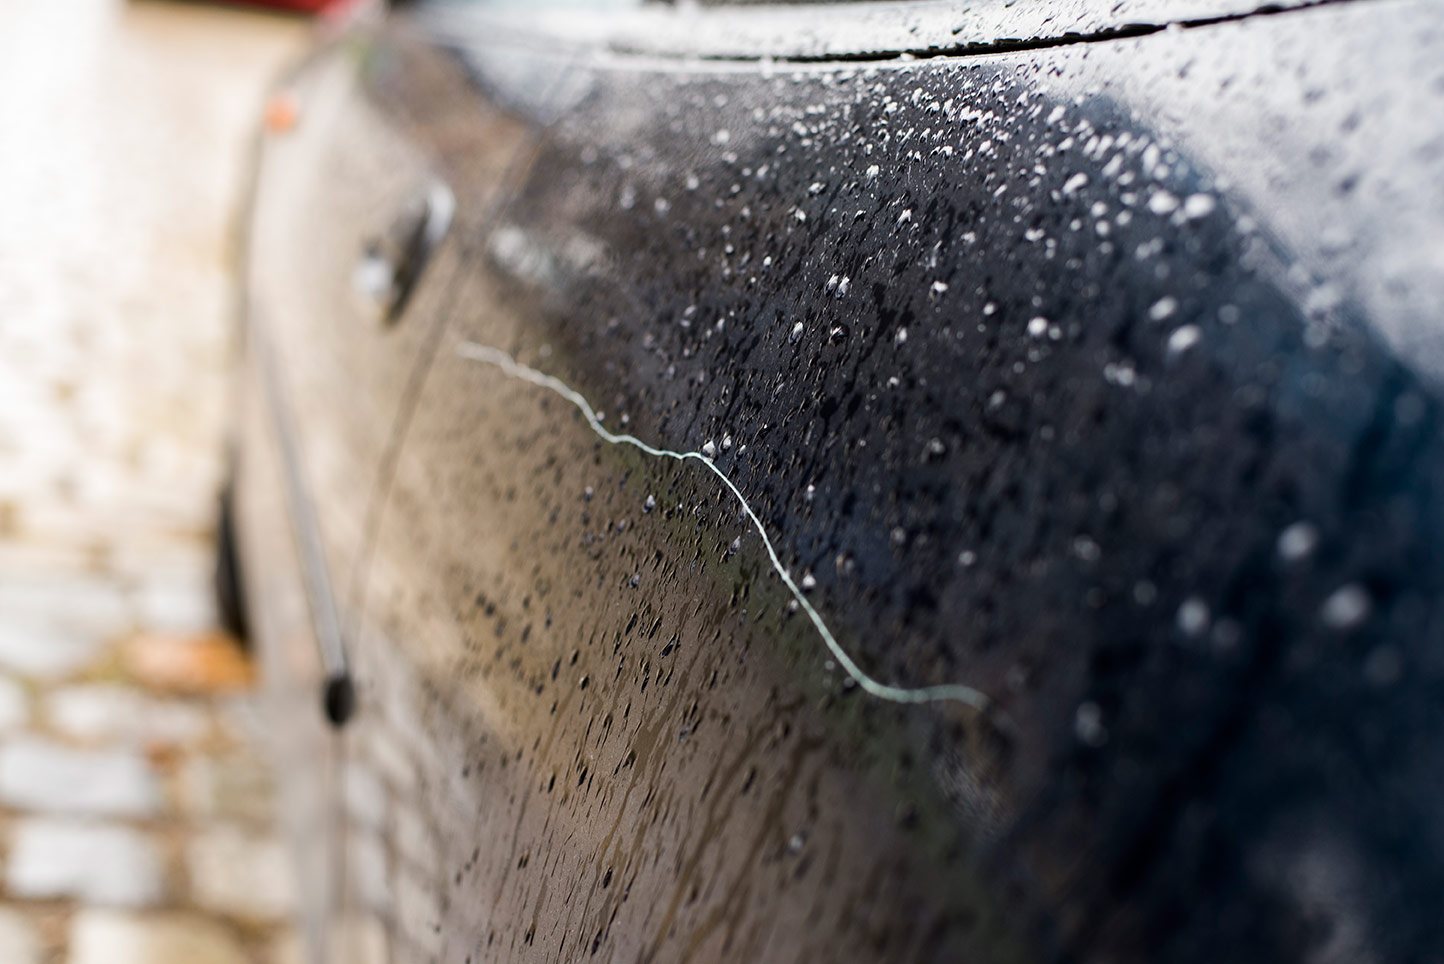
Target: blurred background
[{"x": 136, "y": 811}]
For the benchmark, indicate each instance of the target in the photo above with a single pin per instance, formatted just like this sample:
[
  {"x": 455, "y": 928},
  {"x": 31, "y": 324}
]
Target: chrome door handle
[{"x": 392, "y": 263}]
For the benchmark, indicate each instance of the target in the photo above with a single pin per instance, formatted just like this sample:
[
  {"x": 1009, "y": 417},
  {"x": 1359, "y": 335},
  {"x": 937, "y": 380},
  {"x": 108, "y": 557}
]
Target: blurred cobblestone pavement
[{"x": 136, "y": 820}]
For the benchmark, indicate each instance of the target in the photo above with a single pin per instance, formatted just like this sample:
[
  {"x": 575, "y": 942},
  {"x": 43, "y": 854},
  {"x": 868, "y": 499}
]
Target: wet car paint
[
  {"x": 1099, "y": 378},
  {"x": 340, "y": 379},
  {"x": 823, "y": 32}
]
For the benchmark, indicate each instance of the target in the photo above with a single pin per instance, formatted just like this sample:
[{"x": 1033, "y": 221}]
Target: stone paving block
[
  {"x": 104, "y": 711},
  {"x": 152, "y": 559},
  {"x": 237, "y": 787},
  {"x": 208, "y": 663},
  {"x": 366, "y": 868},
  {"x": 360, "y": 939},
  {"x": 355, "y": 939},
  {"x": 19, "y": 940},
  {"x": 418, "y": 914},
  {"x": 41, "y": 775},
  {"x": 96, "y": 863},
  {"x": 87, "y": 600},
  {"x": 178, "y": 606},
  {"x": 365, "y": 796},
  {"x": 389, "y": 759},
  {"x": 57, "y": 623},
  {"x": 43, "y": 651},
  {"x": 14, "y": 704},
  {"x": 414, "y": 840},
  {"x": 113, "y": 937},
  {"x": 240, "y": 874},
  {"x": 288, "y": 948},
  {"x": 247, "y": 717}
]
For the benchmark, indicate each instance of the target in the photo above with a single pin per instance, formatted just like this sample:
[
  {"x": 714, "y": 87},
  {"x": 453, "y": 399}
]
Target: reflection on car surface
[{"x": 864, "y": 482}]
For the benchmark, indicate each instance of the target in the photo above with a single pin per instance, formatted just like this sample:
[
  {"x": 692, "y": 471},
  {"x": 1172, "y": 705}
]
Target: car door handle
[{"x": 391, "y": 263}]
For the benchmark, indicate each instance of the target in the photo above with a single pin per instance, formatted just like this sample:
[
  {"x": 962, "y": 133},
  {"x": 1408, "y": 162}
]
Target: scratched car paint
[{"x": 876, "y": 482}]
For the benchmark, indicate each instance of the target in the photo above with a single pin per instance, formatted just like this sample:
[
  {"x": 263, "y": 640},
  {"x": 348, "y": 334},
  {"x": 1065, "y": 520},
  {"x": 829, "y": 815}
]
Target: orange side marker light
[{"x": 282, "y": 113}]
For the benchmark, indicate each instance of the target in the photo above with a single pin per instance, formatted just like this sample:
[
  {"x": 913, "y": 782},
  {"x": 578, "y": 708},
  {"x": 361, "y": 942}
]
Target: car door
[
  {"x": 900, "y": 490},
  {"x": 371, "y": 173}
]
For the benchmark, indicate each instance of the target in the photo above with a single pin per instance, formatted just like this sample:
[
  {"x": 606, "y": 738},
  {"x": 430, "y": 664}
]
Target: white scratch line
[{"x": 954, "y": 692}]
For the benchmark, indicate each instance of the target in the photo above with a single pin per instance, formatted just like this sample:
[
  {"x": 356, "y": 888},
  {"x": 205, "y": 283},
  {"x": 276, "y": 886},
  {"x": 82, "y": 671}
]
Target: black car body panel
[{"x": 1095, "y": 373}]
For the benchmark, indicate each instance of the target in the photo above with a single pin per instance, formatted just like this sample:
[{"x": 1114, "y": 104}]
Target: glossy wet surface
[{"x": 1084, "y": 376}]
